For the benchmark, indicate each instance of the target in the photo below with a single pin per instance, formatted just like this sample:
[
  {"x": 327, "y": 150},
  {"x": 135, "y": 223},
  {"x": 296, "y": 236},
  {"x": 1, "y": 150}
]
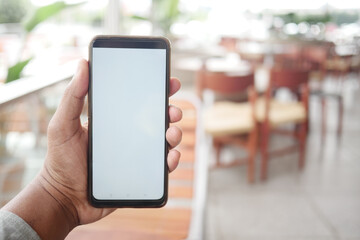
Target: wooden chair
[
  {"x": 229, "y": 122},
  {"x": 255, "y": 58},
  {"x": 182, "y": 217},
  {"x": 316, "y": 56},
  {"x": 229, "y": 43},
  {"x": 291, "y": 58},
  {"x": 324, "y": 62},
  {"x": 272, "y": 113}
]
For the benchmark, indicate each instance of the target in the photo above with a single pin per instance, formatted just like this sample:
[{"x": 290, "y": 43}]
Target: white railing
[{"x": 19, "y": 89}]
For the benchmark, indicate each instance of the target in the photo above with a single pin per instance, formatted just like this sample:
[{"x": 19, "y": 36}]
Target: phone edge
[{"x": 158, "y": 203}]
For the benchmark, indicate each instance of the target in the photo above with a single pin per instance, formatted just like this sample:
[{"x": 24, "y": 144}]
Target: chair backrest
[
  {"x": 229, "y": 43},
  {"x": 222, "y": 83},
  {"x": 292, "y": 78},
  {"x": 317, "y": 54},
  {"x": 292, "y": 57}
]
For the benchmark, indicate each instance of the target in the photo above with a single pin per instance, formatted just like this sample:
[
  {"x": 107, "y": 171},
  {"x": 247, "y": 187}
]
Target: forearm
[{"x": 44, "y": 209}]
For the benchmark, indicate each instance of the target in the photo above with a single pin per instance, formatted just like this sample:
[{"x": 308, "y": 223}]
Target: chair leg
[
  {"x": 302, "y": 143},
  {"x": 264, "y": 150},
  {"x": 217, "y": 146},
  {"x": 307, "y": 124},
  {"x": 323, "y": 117},
  {"x": 252, "y": 154},
  {"x": 341, "y": 112}
]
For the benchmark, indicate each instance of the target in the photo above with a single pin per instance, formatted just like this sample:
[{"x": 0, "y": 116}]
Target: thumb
[{"x": 72, "y": 102}]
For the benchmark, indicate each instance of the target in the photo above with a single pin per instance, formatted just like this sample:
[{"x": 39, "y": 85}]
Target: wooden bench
[{"x": 182, "y": 217}]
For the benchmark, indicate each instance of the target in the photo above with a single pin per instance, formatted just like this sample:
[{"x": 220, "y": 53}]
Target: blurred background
[{"x": 261, "y": 80}]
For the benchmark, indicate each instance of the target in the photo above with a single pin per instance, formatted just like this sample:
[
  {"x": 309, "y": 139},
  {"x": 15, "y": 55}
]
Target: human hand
[
  {"x": 60, "y": 189},
  {"x": 65, "y": 168},
  {"x": 56, "y": 201}
]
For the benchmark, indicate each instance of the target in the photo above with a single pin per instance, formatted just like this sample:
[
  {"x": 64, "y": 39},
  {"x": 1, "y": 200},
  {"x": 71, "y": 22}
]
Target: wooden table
[{"x": 231, "y": 65}]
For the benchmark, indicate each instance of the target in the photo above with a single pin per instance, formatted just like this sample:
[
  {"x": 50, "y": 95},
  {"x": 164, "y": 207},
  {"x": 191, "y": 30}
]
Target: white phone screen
[{"x": 128, "y": 123}]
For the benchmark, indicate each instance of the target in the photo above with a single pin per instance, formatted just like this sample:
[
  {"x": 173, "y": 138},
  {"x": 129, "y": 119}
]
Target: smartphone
[{"x": 128, "y": 119}]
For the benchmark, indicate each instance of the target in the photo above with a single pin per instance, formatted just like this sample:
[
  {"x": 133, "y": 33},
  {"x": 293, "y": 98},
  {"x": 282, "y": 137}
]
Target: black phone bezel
[{"x": 109, "y": 41}]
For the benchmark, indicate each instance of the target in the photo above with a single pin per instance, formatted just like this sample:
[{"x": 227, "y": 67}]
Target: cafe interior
[{"x": 271, "y": 123}]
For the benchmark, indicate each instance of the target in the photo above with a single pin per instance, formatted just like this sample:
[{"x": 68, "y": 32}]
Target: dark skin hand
[{"x": 55, "y": 202}]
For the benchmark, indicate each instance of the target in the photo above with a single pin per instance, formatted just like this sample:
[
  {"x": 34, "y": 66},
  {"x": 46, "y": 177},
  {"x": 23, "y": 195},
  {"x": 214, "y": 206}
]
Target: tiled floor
[{"x": 320, "y": 202}]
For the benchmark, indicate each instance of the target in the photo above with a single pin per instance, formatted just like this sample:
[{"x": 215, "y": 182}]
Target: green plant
[
  {"x": 166, "y": 13},
  {"x": 309, "y": 18},
  {"x": 15, "y": 70},
  {"x": 12, "y": 11},
  {"x": 345, "y": 17},
  {"x": 40, "y": 15},
  {"x": 163, "y": 14},
  {"x": 338, "y": 17}
]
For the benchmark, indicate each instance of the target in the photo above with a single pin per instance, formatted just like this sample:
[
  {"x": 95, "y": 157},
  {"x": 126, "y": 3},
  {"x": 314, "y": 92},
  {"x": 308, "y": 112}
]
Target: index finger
[{"x": 174, "y": 86}]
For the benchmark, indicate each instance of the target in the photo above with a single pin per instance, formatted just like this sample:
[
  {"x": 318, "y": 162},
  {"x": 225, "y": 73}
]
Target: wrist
[
  {"x": 61, "y": 199},
  {"x": 44, "y": 208}
]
